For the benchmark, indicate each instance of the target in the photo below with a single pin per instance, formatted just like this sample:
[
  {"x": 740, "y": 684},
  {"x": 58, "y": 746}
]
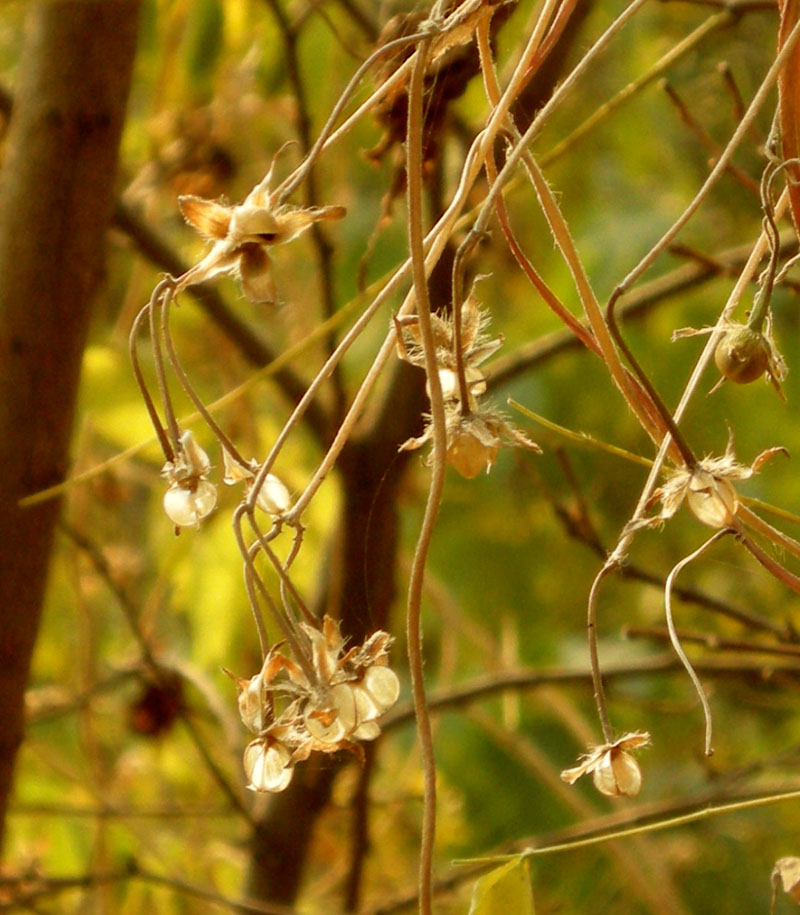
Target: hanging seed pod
[{"x": 742, "y": 355}]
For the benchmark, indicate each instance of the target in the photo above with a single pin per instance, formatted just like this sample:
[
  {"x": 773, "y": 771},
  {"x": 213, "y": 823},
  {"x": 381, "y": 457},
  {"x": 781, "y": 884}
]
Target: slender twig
[
  {"x": 673, "y": 635},
  {"x": 414, "y": 610}
]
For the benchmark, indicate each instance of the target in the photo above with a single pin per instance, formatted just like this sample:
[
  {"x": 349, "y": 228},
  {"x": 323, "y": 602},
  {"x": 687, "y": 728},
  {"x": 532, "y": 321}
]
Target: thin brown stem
[{"x": 414, "y": 609}]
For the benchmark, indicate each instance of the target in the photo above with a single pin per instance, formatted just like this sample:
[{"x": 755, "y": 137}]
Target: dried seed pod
[
  {"x": 382, "y": 685},
  {"x": 712, "y": 499},
  {"x": 266, "y": 764},
  {"x": 185, "y": 507},
  {"x": 617, "y": 774},
  {"x": 336, "y": 722},
  {"x": 742, "y": 355}
]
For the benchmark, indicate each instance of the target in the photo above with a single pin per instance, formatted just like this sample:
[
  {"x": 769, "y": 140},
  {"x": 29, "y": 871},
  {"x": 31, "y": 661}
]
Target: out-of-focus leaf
[
  {"x": 504, "y": 890},
  {"x": 789, "y": 95}
]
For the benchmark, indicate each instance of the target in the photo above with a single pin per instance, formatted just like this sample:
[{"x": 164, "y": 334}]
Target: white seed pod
[
  {"x": 337, "y": 720},
  {"x": 617, "y": 774},
  {"x": 266, "y": 764},
  {"x": 712, "y": 499},
  {"x": 186, "y": 507},
  {"x": 367, "y": 709},
  {"x": 448, "y": 379},
  {"x": 368, "y": 730},
  {"x": 382, "y": 684},
  {"x": 251, "y": 703},
  {"x": 273, "y": 497}
]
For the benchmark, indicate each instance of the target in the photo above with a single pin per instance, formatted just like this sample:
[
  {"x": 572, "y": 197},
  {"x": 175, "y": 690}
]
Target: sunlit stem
[
  {"x": 594, "y": 660},
  {"x": 163, "y": 289},
  {"x": 155, "y": 419},
  {"x": 183, "y": 378},
  {"x": 673, "y": 634}
]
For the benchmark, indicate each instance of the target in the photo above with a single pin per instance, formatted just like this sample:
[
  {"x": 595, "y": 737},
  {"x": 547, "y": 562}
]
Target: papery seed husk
[
  {"x": 368, "y": 730},
  {"x": 185, "y": 507},
  {"x": 617, "y": 774},
  {"x": 266, "y": 765},
  {"x": 335, "y": 721},
  {"x": 383, "y": 685},
  {"x": 367, "y": 708},
  {"x": 273, "y": 497},
  {"x": 251, "y": 704},
  {"x": 711, "y": 499}
]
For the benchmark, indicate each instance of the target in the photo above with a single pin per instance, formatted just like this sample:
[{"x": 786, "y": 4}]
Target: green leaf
[{"x": 504, "y": 890}]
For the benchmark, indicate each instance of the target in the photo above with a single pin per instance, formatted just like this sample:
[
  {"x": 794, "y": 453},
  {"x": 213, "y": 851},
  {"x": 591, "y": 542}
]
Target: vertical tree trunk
[{"x": 56, "y": 195}]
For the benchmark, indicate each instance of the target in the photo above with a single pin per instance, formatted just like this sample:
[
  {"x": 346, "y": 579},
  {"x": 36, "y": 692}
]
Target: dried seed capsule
[
  {"x": 617, "y": 773},
  {"x": 266, "y": 764},
  {"x": 742, "y": 355},
  {"x": 185, "y": 507}
]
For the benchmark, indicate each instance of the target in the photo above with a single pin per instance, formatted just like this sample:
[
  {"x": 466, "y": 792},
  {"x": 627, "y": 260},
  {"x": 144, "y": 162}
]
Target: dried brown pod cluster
[{"x": 329, "y": 703}]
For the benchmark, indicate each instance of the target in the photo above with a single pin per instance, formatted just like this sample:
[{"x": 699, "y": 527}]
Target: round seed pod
[{"x": 742, "y": 355}]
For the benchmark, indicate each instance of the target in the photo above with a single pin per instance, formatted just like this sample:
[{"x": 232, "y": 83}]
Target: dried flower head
[
  {"x": 241, "y": 236},
  {"x": 707, "y": 488},
  {"x": 334, "y": 700},
  {"x": 190, "y": 497},
  {"x": 476, "y": 346},
  {"x": 614, "y": 771},
  {"x": 474, "y": 439}
]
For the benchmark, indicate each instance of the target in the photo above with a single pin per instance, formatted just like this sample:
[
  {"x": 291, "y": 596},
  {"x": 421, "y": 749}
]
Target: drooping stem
[{"x": 673, "y": 634}]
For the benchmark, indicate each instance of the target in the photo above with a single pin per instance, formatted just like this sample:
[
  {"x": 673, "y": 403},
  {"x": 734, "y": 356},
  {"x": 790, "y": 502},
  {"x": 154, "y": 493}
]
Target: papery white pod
[
  {"x": 712, "y": 499},
  {"x": 448, "y": 379},
  {"x": 251, "y": 703},
  {"x": 617, "y": 774},
  {"x": 234, "y": 471},
  {"x": 266, "y": 765},
  {"x": 367, "y": 709},
  {"x": 197, "y": 460},
  {"x": 383, "y": 685},
  {"x": 337, "y": 720},
  {"x": 186, "y": 507},
  {"x": 368, "y": 730},
  {"x": 273, "y": 497}
]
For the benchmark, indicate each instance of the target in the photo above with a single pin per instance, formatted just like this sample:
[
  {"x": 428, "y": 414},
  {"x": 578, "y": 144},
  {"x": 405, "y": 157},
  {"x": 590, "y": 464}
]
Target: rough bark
[{"x": 56, "y": 196}]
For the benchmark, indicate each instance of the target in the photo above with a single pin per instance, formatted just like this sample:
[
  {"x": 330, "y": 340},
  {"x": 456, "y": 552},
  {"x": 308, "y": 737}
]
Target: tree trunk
[{"x": 56, "y": 196}]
